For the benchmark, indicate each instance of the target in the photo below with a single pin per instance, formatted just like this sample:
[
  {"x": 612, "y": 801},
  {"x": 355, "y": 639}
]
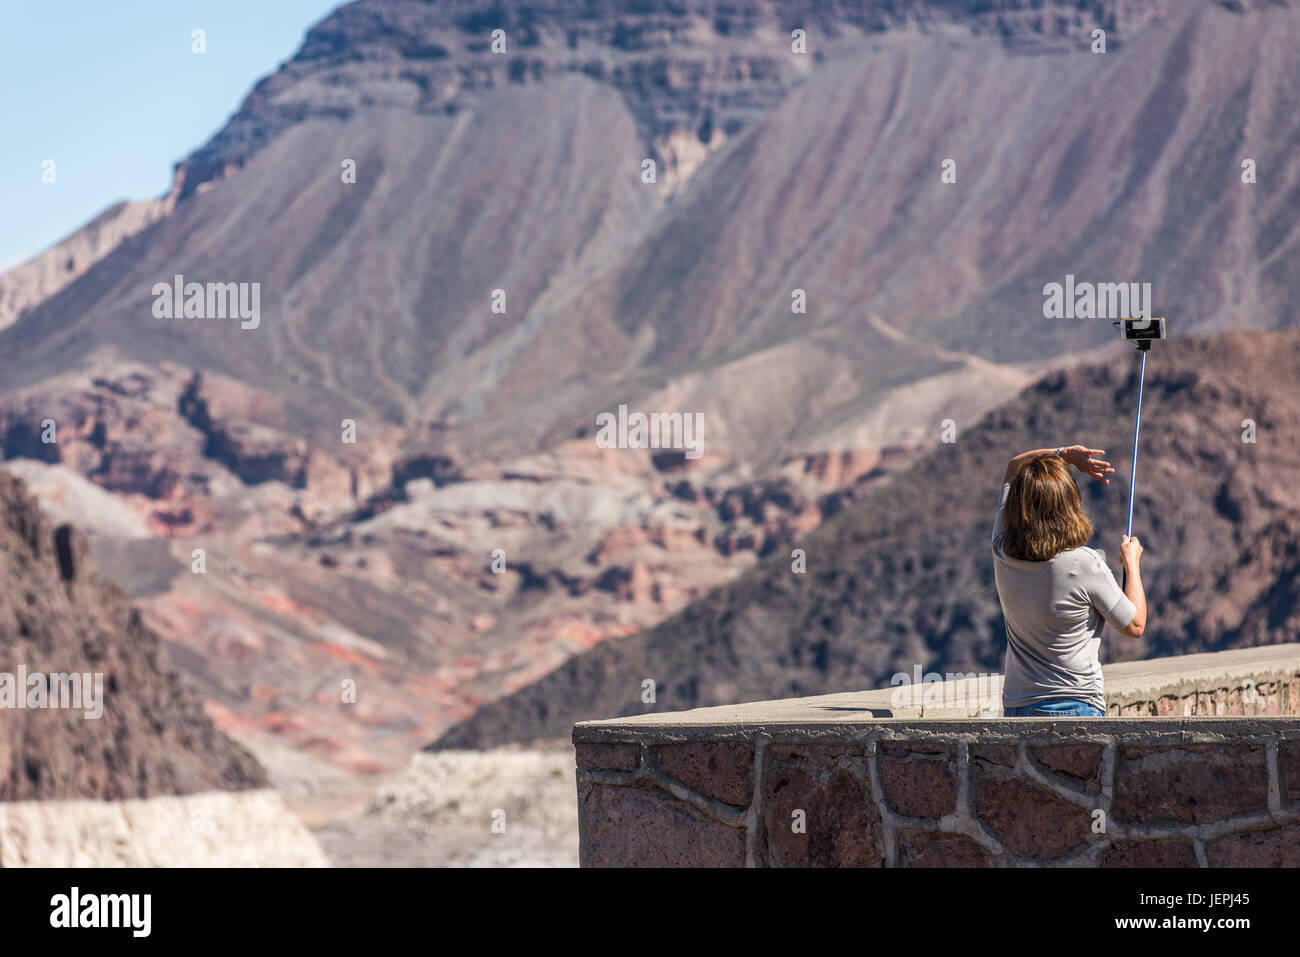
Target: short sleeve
[
  {"x": 997, "y": 520},
  {"x": 1104, "y": 592}
]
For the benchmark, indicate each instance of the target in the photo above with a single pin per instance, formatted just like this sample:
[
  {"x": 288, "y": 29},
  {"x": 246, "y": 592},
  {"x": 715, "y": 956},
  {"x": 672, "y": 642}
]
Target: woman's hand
[
  {"x": 1080, "y": 456},
  {"x": 1086, "y": 460}
]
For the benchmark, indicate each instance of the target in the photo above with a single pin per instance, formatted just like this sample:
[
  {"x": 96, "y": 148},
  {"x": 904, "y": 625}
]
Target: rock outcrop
[
  {"x": 57, "y": 616},
  {"x": 36, "y": 280}
]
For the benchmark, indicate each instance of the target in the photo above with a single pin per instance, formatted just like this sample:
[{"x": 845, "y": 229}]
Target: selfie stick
[
  {"x": 1142, "y": 331},
  {"x": 1144, "y": 347}
]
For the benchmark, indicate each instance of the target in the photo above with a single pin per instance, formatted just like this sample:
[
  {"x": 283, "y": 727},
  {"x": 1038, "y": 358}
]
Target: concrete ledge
[
  {"x": 1251, "y": 681},
  {"x": 1215, "y": 683}
]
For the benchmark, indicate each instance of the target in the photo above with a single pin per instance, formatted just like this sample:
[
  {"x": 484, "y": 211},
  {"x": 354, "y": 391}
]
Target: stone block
[
  {"x": 813, "y": 755},
  {"x": 607, "y": 757},
  {"x": 648, "y": 827},
  {"x": 1193, "y": 784},
  {"x": 1029, "y": 820},
  {"x": 918, "y": 781},
  {"x": 1162, "y": 852},
  {"x": 1288, "y": 767},
  {"x": 1077, "y": 760},
  {"x": 1268, "y": 847},
  {"x": 842, "y": 826},
  {"x": 721, "y": 769},
  {"x": 1001, "y": 754},
  {"x": 939, "y": 849}
]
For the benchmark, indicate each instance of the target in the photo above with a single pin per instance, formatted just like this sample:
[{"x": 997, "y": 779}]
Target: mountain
[
  {"x": 904, "y": 577},
  {"x": 377, "y": 293},
  {"x": 57, "y": 616},
  {"x": 780, "y": 177}
]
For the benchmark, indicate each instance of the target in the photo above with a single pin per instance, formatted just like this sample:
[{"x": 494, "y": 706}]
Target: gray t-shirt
[{"x": 1055, "y": 613}]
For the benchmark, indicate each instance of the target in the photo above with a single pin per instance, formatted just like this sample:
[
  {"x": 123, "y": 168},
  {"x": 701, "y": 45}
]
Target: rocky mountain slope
[
  {"x": 829, "y": 181},
  {"x": 59, "y": 266},
  {"x": 691, "y": 75},
  {"x": 903, "y": 577},
  {"x": 58, "y": 616}
]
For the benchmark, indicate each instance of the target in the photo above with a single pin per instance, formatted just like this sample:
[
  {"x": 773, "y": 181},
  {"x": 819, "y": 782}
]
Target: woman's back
[{"x": 1055, "y": 612}]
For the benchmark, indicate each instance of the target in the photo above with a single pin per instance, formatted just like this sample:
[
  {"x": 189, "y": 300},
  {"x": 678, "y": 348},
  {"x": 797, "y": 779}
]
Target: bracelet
[{"x": 1058, "y": 451}]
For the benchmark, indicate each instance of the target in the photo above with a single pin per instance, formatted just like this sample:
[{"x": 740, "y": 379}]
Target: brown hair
[{"x": 1043, "y": 514}]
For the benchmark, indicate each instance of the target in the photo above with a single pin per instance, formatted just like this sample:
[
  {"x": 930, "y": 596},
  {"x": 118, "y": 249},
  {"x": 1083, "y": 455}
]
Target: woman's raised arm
[
  {"x": 1021, "y": 459},
  {"x": 1080, "y": 456}
]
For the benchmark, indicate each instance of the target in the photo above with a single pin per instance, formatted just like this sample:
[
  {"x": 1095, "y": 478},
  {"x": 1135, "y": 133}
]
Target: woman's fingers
[
  {"x": 1096, "y": 467},
  {"x": 1099, "y": 469}
]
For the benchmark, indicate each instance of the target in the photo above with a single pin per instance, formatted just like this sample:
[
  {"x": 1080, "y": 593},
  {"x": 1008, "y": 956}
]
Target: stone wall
[
  {"x": 848, "y": 781},
  {"x": 1104, "y": 792},
  {"x": 1264, "y": 680}
]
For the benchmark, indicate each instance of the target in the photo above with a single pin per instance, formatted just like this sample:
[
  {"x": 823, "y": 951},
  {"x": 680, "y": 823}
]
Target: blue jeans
[{"x": 1056, "y": 708}]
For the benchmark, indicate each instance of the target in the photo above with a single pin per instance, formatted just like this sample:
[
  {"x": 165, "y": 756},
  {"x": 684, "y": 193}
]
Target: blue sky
[{"x": 111, "y": 91}]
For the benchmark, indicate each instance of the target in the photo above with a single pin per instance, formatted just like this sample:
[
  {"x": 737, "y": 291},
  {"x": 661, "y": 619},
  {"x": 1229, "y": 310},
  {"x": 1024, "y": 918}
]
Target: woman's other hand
[
  {"x": 1130, "y": 552},
  {"x": 1087, "y": 460}
]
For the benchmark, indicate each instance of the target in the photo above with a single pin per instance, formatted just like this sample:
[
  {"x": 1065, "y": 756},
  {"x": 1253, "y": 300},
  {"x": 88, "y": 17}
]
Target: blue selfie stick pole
[
  {"x": 1141, "y": 331},
  {"x": 1137, "y": 426}
]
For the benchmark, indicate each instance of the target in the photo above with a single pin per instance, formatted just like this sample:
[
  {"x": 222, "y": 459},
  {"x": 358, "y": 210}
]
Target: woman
[{"x": 1056, "y": 593}]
